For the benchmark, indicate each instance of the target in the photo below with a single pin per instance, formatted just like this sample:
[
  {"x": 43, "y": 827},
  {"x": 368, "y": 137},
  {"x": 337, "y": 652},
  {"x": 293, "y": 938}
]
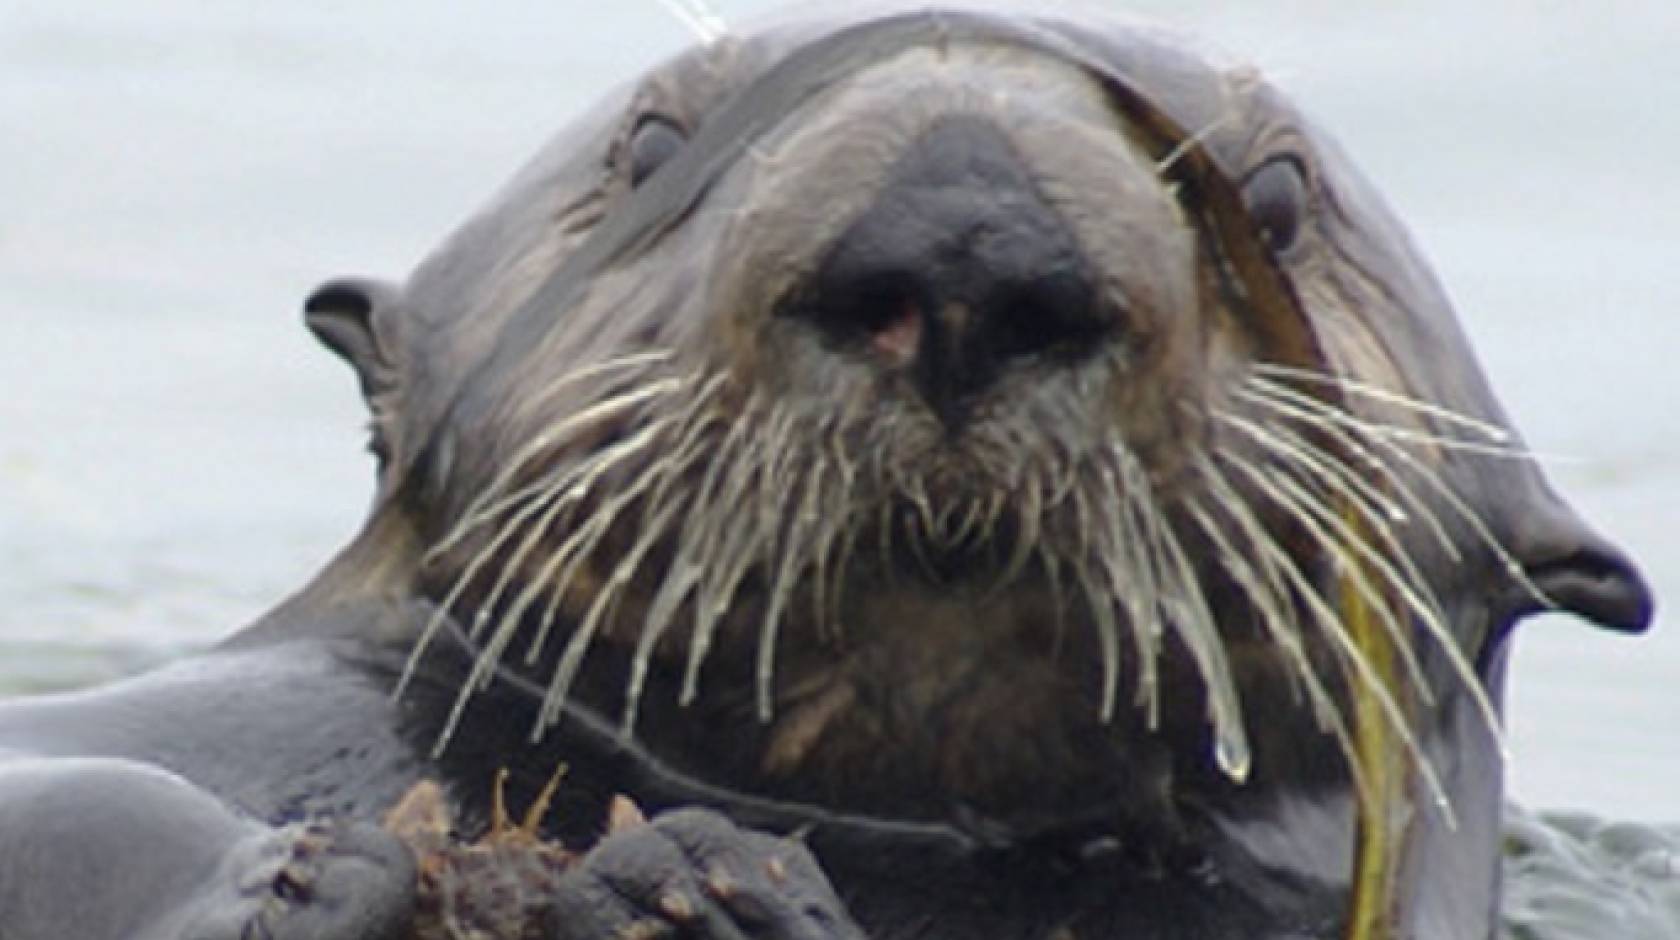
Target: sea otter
[{"x": 968, "y": 474}]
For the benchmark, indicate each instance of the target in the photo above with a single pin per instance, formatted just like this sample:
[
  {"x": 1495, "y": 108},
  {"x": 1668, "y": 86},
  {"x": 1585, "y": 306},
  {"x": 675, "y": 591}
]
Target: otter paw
[
  {"x": 694, "y": 874},
  {"x": 316, "y": 880}
]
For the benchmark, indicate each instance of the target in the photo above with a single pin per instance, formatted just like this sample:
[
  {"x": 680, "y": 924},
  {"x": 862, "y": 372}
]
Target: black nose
[{"x": 959, "y": 269}]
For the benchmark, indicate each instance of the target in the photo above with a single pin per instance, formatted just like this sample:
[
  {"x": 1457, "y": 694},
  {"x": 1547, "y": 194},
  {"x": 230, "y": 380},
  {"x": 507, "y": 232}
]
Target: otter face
[
  {"x": 913, "y": 373},
  {"x": 973, "y": 411}
]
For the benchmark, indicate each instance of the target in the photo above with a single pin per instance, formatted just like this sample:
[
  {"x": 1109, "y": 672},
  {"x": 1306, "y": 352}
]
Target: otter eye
[
  {"x": 654, "y": 141},
  {"x": 1276, "y": 193}
]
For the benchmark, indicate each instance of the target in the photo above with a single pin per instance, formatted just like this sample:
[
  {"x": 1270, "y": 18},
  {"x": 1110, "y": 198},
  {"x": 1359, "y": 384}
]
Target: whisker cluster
[
  {"x": 1351, "y": 485},
  {"x": 715, "y": 510}
]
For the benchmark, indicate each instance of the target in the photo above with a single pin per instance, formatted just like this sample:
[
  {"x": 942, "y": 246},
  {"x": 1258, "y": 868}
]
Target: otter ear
[
  {"x": 352, "y": 316},
  {"x": 1581, "y": 573},
  {"x": 359, "y": 319}
]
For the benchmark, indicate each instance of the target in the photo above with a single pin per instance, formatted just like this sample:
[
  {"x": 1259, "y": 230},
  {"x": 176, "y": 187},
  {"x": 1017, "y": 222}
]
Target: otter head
[{"x": 957, "y": 416}]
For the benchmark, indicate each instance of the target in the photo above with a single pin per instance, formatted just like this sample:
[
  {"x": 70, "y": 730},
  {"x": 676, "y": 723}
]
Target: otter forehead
[{"x": 990, "y": 75}]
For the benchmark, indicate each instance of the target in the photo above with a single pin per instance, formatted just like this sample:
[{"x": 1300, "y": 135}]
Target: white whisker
[
  {"x": 698, "y": 18},
  {"x": 490, "y": 503},
  {"x": 1352, "y": 656},
  {"x": 1349, "y": 434},
  {"x": 1347, "y": 384},
  {"x": 606, "y": 599},
  {"x": 1197, "y": 629},
  {"x": 804, "y": 517}
]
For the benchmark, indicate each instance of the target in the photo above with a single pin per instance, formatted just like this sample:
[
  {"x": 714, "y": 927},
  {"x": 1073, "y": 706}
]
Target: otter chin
[{"x": 1015, "y": 452}]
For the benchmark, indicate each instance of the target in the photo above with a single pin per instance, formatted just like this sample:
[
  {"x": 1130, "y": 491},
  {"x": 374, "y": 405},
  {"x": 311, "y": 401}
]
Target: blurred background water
[{"x": 176, "y": 453}]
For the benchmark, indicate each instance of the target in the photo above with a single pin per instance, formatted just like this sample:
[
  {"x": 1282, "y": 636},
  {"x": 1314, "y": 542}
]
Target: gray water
[{"x": 175, "y": 453}]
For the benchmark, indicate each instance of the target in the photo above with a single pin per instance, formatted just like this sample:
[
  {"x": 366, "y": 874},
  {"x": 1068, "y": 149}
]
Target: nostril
[
  {"x": 897, "y": 338},
  {"x": 883, "y": 311},
  {"x": 1050, "y": 314},
  {"x": 880, "y": 300}
]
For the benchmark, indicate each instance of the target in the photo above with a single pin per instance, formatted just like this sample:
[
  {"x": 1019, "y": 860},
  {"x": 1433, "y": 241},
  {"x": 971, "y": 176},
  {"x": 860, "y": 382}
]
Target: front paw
[
  {"x": 317, "y": 880},
  {"x": 694, "y": 874}
]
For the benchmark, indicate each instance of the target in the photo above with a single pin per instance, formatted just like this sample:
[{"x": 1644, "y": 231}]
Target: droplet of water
[
  {"x": 1444, "y": 806},
  {"x": 1231, "y": 753}
]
